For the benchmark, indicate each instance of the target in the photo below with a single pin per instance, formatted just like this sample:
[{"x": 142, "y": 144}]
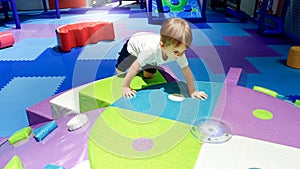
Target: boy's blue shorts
[{"x": 125, "y": 60}]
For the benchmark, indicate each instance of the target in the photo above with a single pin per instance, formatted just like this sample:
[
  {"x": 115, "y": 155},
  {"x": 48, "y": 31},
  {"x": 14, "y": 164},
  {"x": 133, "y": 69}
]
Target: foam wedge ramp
[{"x": 104, "y": 92}]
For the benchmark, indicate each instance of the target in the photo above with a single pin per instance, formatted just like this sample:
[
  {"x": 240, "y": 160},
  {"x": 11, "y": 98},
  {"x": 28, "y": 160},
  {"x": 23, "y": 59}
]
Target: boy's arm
[
  {"x": 190, "y": 83},
  {"x": 133, "y": 70}
]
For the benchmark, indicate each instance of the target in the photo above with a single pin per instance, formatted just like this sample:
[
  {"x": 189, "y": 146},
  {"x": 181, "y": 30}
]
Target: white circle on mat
[
  {"x": 176, "y": 97},
  {"x": 77, "y": 122}
]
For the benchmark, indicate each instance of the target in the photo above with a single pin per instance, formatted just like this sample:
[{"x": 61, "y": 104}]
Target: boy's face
[{"x": 172, "y": 51}]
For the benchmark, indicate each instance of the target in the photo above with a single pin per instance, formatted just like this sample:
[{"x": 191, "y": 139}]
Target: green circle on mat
[{"x": 262, "y": 114}]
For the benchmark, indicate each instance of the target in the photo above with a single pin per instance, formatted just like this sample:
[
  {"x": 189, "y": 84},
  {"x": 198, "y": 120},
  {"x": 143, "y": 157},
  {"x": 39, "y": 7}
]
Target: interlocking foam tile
[
  {"x": 213, "y": 16},
  {"x": 251, "y": 45},
  {"x": 200, "y": 38},
  {"x": 97, "y": 69},
  {"x": 27, "y": 49},
  {"x": 201, "y": 26},
  {"x": 270, "y": 40},
  {"x": 100, "y": 17},
  {"x": 284, "y": 84},
  {"x": 126, "y": 139},
  {"x": 214, "y": 39},
  {"x": 104, "y": 92},
  {"x": 18, "y": 94},
  {"x": 229, "y": 29},
  {"x": 243, "y": 152},
  {"x": 48, "y": 63},
  {"x": 150, "y": 100},
  {"x": 220, "y": 58},
  {"x": 282, "y": 79},
  {"x": 141, "y": 24},
  {"x": 102, "y": 50},
  {"x": 267, "y": 64},
  {"x": 283, "y": 50},
  {"x": 199, "y": 70},
  {"x": 35, "y": 31},
  {"x": 5, "y": 69},
  {"x": 174, "y": 67}
]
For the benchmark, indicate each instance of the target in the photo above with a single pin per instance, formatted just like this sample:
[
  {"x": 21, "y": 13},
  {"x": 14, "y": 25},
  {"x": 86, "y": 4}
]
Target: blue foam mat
[{"x": 18, "y": 95}]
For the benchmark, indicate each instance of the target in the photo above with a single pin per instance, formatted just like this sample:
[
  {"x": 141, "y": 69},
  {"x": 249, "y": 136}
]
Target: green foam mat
[
  {"x": 104, "y": 92},
  {"x": 122, "y": 138}
]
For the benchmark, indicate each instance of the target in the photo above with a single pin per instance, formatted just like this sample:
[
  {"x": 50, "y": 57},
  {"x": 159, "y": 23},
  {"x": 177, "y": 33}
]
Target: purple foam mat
[
  {"x": 235, "y": 108},
  {"x": 60, "y": 147},
  {"x": 35, "y": 31}
]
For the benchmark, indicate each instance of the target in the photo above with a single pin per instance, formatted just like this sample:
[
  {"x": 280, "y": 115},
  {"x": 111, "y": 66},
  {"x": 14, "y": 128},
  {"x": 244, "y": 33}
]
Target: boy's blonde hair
[{"x": 176, "y": 31}]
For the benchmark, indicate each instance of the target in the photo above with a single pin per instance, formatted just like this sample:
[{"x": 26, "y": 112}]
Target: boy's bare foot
[{"x": 148, "y": 75}]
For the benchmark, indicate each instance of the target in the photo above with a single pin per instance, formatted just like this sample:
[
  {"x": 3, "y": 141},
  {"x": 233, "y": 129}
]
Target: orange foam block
[
  {"x": 81, "y": 34},
  {"x": 293, "y": 59},
  {"x": 6, "y": 39}
]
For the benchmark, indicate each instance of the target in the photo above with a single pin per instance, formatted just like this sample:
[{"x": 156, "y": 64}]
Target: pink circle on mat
[{"x": 142, "y": 144}]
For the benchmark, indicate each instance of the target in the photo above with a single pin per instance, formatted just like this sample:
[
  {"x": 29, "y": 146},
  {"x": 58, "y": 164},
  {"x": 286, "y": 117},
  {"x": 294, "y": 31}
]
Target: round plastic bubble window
[{"x": 211, "y": 131}]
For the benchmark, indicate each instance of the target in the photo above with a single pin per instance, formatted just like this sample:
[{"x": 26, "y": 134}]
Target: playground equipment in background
[
  {"x": 233, "y": 8},
  {"x": 6, "y": 7},
  {"x": 215, "y": 4},
  {"x": 6, "y": 39},
  {"x": 191, "y": 10},
  {"x": 270, "y": 14},
  {"x": 273, "y": 93},
  {"x": 81, "y": 34}
]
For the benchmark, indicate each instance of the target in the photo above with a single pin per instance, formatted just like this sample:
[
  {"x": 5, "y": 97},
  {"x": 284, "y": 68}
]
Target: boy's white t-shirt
[{"x": 145, "y": 46}]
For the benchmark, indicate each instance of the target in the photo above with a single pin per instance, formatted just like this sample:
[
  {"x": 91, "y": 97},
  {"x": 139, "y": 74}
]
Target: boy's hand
[
  {"x": 199, "y": 94},
  {"x": 128, "y": 92}
]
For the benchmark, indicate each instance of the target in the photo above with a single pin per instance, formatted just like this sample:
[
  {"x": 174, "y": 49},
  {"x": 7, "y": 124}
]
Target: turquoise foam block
[
  {"x": 154, "y": 101},
  {"x": 41, "y": 132},
  {"x": 17, "y": 95},
  {"x": 51, "y": 166},
  {"x": 27, "y": 49}
]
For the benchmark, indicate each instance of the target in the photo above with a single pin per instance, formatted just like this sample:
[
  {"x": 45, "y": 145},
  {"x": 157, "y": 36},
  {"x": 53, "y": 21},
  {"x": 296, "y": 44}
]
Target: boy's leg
[{"x": 124, "y": 60}]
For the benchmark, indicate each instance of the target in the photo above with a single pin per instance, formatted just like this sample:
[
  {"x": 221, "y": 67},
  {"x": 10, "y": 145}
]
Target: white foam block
[
  {"x": 244, "y": 153},
  {"x": 66, "y": 103}
]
